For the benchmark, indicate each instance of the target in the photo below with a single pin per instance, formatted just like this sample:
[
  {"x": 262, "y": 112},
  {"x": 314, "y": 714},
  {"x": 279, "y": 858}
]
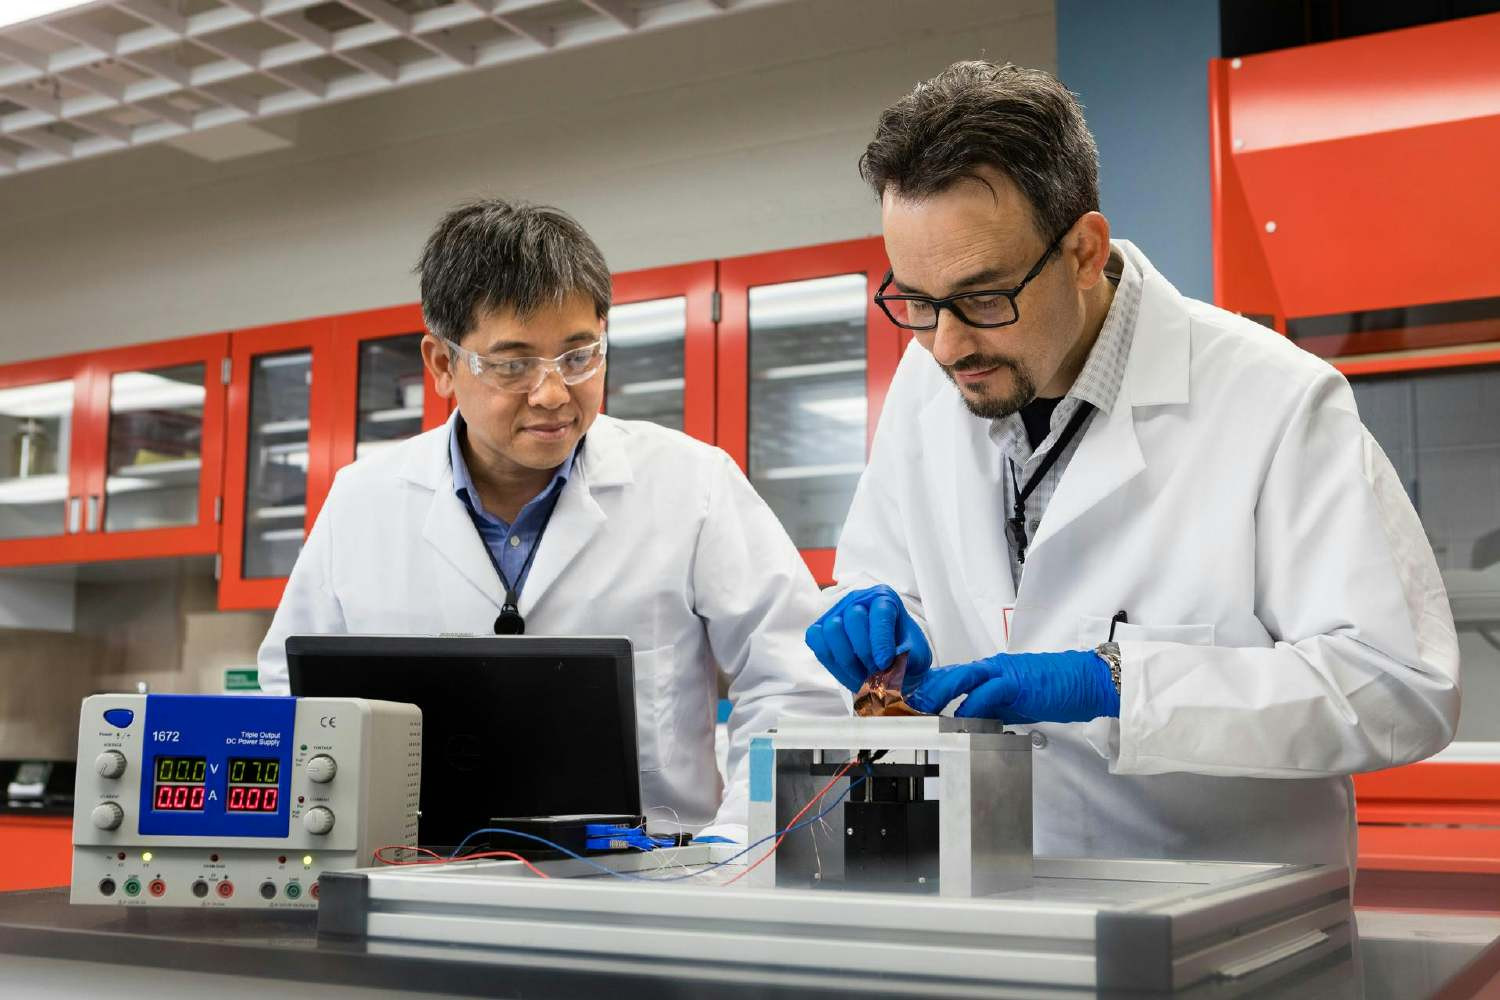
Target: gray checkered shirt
[{"x": 1098, "y": 384}]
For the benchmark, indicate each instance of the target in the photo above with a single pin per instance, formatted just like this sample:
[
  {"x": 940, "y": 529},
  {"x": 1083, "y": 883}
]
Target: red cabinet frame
[
  {"x": 315, "y": 335},
  {"x": 883, "y": 341},
  {"x": 350, "y": 331},
  {"x": 81, "y": 536},
  {"x": 697, "y": 283},
  {"x": 201, "y": 538},
  {"x": 333, "y": 418},
  {"x": 68, "y": 544}
]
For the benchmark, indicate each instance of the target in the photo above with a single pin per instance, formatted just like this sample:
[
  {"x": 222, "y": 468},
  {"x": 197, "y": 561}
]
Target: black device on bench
[{"x": 511, "y": 725}]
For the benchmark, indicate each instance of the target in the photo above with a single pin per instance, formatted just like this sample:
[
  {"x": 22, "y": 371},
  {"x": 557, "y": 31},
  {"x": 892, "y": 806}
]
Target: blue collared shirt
[{"x": 509, "y": 545}]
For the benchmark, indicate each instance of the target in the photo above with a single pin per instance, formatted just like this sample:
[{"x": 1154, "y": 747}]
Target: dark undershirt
[{"x": 1037, "y": 416}]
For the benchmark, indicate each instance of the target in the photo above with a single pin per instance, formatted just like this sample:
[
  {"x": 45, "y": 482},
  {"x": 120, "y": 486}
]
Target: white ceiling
[{"x": 119, "y": 73}]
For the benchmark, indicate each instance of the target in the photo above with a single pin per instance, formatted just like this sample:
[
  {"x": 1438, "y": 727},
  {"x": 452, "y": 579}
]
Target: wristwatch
[{"x": 1109, "y": 652}]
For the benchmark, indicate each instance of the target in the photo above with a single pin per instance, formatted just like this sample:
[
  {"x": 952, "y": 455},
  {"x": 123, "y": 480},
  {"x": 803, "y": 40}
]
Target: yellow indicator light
[
  {"x": 307, "y": 861},
  {"x": 146, "y": 856}
]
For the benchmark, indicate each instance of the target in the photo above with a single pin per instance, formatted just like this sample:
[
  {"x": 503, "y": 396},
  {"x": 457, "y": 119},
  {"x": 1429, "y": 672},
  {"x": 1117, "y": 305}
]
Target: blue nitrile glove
[
  {"x": 712, "y": 840},
  {"x": 863, "y": 633},
  {"x": 1024, "y": 687}
]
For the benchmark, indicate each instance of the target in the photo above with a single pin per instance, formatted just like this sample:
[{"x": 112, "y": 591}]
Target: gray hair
[
  {"x": 1021, "y": 122},
  {"x": 491, "y": 254}
]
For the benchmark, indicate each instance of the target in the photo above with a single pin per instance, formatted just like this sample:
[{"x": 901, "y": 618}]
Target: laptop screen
[{"x": 511, "y": 725}]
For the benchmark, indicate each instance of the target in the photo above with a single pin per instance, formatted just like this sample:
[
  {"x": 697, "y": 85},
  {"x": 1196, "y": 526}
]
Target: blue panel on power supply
[{"x": 217, "y": 765}]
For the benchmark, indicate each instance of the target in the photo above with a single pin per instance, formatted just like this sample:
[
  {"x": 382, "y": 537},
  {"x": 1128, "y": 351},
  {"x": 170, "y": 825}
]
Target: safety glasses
[{"x": 527, "y": 374}]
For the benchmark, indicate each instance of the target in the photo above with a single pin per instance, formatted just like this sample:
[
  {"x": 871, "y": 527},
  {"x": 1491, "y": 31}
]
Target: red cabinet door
[
  {"x": 156, "y": 427},
  {"x": 805, "y": 357},
  {"x": 277, "y": 456},
  {"x": 382, "y": 393},
  {"x": 662, "y": 338},
  {"x": 45, "y": 455}
]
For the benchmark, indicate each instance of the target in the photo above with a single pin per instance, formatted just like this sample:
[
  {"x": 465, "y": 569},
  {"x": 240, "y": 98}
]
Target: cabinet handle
[
  {"x": 93, "y": 516},
  {"x": 75, "y": 508}
]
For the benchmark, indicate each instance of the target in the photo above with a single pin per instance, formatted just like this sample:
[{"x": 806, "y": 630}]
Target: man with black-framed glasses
[
  {"x": 530, "y": 511},
  {"x": 1152, "y": 533}
]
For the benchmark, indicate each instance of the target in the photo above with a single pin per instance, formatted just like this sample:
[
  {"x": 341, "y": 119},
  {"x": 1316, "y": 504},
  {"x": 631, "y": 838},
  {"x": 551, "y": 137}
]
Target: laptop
[{"x": 511, "y": 725}]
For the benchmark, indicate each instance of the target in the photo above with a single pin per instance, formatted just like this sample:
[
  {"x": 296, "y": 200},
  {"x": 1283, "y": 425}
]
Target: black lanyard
[
  {"x": 1018, "y": 517},
  {"x": 510, "y": 621}
]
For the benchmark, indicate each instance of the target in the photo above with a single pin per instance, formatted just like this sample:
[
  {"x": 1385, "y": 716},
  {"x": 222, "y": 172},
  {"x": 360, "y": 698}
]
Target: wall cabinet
[
  {"x": 306, "y": 399},
  {"x": 227, "y": 444},
  {"x": 114, "y": 454}
]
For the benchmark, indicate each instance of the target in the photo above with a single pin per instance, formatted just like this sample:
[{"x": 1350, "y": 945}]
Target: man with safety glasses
[
  {"x": 1152, "y": 533},
  {"x": 529, "y": 511}
]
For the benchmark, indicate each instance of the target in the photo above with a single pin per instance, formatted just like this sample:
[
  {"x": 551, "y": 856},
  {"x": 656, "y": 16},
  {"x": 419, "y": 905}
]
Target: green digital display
[
  {"x": 181, "y": 769},
  {"x": 254, "y": 771}
]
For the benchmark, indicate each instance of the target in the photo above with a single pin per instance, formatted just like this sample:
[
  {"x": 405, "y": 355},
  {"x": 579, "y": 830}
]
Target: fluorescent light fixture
[
  {"x": 34, "y": 489},
  {"x": 48, "y": 399},
  {"x": 657, "y": 321},
  {"x": 815, "y": 370},
  {"x": 16, "y": 11},
  {"x": 133, "y": 391},
  {"x": 839, "y": 299},
  {"x": 646, "y": 388},
  {"x": 810, "y": 471},
  {"x": 840, "y": 409}
]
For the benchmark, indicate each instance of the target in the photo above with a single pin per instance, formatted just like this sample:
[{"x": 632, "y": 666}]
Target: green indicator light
[{"x": 307, "y": 861}]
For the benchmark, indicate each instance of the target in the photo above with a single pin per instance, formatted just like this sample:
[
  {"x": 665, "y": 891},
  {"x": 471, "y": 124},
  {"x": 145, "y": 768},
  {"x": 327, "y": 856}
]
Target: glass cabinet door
[
  {"x": 1441, "y": 431},
  {"x": 646, "y": 379},
  {"x": 807, "y": 401},
  {"x": 391, "y": 392},
  {"x": 36, "y": 430},
  {"x": 276, "y": 463},
  {"x": 155, "y": 450}
]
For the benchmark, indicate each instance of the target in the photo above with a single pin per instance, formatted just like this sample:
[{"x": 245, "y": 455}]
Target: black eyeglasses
[{"x": 987, "y": 309}]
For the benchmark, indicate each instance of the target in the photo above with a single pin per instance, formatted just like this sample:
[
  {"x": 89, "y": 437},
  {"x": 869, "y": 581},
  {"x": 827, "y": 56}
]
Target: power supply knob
[
  {"x": 318, "y": 819},
  {"x": 321, "y": 769},
  {"x": 110, "y": 764},
  {"x": 108, "y": 816}
]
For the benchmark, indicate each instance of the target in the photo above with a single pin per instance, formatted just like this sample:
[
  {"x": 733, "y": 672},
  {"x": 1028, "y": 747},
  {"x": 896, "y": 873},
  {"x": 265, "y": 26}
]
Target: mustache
[{"x": 978, "y": 363}]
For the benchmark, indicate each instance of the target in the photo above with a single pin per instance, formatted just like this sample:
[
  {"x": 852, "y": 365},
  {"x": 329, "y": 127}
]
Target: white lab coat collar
[
  {"x": 1108, "y": 456},
  {"x": 602, "y": 464}
]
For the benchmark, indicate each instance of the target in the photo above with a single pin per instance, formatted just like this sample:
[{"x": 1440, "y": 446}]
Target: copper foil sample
[{"x": 881, "y": 693}]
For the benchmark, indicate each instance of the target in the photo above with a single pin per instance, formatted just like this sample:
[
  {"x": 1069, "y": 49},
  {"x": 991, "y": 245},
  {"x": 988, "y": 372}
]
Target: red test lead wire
[{"x": 787, "y": 829}]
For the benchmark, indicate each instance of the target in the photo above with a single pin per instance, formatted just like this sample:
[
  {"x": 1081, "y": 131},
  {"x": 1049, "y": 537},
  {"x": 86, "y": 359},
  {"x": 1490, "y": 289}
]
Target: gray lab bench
[{"x": 64, "y": 950}]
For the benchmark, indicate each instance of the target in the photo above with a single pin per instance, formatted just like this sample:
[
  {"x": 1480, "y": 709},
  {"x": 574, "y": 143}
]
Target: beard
[{"x": 987, "y": 405}]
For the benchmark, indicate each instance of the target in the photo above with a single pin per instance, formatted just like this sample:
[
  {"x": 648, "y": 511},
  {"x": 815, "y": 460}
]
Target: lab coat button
[{"x": 1038, "y": 740}]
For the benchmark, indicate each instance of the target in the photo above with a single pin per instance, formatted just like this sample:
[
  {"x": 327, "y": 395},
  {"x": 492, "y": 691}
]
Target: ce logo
[{"x": 328, "y": 721}]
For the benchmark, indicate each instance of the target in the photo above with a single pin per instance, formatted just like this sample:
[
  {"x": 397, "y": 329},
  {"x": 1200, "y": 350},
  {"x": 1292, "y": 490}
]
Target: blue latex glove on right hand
[
  {"x": 863, "y": 633},
  {"x": 1023, "y": 688}
]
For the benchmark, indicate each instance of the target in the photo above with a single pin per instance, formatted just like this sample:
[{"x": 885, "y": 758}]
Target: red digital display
[
  {"x": 179, "y": 797},
  {"x": 252, "y": 798}
]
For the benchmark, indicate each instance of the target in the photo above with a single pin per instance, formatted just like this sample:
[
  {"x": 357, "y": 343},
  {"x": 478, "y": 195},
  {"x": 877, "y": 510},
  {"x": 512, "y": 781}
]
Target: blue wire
[{"x": 671, "y": 878}]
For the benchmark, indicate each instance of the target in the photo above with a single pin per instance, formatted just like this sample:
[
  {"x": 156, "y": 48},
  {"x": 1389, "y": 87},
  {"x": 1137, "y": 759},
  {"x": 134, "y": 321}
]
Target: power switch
[{"x": 120, "y": 718}]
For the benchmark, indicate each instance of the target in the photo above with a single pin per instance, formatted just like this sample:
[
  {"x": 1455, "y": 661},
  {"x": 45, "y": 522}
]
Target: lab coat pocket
[
  {"x": 1092, "y": 630},
  {"x": 654, "y": 725}
]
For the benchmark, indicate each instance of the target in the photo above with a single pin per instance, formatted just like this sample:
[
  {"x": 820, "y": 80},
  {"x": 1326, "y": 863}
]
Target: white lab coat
[
  {"x": 1288, "y": 624},
  {"x": 655, "y": 536}
]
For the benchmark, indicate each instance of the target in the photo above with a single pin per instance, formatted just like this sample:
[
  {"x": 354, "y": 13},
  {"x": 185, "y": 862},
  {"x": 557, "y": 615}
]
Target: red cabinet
[
  {"x": 662, "y": 340},
  {"x": 305, "y": 399},
  {"x": 805, "y": 357},
  {"x": 780, "y": 358},
  {"x": 113, "y": 455}
]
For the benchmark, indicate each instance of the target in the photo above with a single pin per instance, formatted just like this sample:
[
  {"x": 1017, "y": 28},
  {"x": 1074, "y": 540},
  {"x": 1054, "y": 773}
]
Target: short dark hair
[
  {"x": 1021, "y": 122},
  {"x": 492, "y": 254}
]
